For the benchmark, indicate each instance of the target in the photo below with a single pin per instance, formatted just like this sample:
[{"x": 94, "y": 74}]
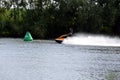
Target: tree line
[{"x": 47, "y": 19}]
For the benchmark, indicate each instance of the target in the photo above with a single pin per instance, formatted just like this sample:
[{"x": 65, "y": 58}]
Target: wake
[{"x": 93, "y": 40}]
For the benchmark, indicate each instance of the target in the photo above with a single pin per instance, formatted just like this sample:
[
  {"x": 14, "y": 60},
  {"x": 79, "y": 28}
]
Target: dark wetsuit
[{"x": 71, "y": 32}]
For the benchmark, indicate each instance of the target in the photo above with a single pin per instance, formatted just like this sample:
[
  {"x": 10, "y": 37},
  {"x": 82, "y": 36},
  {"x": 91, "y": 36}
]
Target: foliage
[{"x": 51, "y": 18}]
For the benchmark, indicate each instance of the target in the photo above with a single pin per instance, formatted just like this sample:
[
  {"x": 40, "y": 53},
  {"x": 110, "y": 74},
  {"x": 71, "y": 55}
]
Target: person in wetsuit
[{"x": 71, "y": 32}]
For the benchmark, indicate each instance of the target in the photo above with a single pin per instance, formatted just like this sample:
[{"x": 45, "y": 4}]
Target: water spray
[{"x": 93, "y": 40}]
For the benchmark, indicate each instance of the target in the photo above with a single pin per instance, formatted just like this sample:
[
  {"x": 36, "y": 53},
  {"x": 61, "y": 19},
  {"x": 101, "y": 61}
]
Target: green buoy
[{"x": 28, "y": 37}]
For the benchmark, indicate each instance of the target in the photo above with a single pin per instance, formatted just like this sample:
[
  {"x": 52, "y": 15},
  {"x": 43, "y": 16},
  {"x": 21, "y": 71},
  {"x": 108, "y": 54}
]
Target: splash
[{"x": 93, "y": 40}]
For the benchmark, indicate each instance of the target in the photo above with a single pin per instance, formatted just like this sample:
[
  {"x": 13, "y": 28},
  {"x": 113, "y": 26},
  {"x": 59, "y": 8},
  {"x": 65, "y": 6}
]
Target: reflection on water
[{"x": 47, "y": 60}]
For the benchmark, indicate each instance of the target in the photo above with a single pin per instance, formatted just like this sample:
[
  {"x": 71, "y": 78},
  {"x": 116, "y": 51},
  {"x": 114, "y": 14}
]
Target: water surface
[{"x": 47, "y": 60}]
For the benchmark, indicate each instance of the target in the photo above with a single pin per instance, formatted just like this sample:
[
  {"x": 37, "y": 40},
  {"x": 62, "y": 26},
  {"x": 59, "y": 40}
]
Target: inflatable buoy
[{"x": 28, "y": 37}]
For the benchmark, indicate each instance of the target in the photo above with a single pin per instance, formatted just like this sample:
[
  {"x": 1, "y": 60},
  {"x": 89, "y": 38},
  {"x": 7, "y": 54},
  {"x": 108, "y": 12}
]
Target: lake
[{"x": 48, "y": 60}]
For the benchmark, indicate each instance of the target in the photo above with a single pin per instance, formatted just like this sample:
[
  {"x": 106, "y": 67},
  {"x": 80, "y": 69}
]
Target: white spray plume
[{"x": 93, "y": 40}]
